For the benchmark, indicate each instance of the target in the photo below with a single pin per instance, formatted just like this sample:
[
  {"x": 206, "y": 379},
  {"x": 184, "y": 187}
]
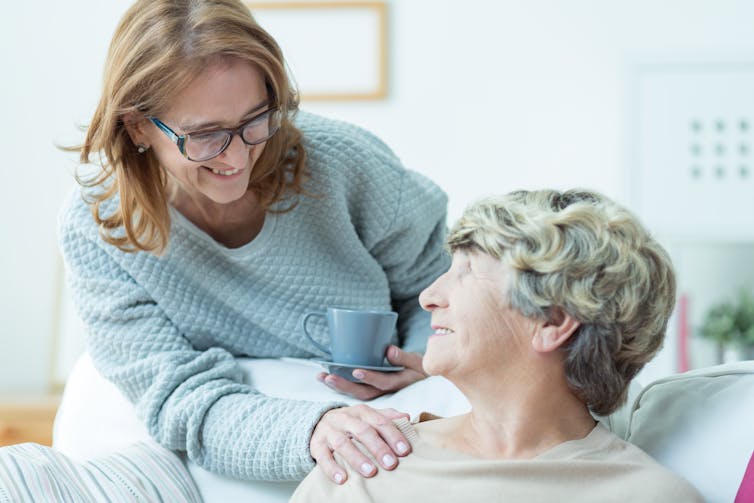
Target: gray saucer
[{"x": 344, "y": 369}]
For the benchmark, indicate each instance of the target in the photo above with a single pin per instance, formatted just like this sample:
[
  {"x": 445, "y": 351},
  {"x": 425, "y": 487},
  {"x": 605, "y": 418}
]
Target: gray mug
[{"x": 357, "y": 336}]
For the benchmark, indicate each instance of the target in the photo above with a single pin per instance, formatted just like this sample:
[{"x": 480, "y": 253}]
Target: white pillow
[
  {"x": 94, "y": 418},
  {"x": 700, "y": 425}
]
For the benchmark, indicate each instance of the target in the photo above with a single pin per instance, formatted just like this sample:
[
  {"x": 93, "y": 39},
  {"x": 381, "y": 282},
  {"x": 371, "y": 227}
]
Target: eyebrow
[{"x": 201, "y": 126}]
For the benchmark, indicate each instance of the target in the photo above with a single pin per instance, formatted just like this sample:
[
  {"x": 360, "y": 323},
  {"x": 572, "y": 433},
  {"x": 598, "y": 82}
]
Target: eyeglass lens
[{"x": 204, "y": 146}]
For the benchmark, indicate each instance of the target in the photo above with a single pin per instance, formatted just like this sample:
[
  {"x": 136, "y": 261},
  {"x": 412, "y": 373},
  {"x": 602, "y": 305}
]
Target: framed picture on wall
[{"x": 336, "y": 51}]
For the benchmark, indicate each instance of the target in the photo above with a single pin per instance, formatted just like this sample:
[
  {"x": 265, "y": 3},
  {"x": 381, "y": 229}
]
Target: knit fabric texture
[{"x": 166, "y": 329}]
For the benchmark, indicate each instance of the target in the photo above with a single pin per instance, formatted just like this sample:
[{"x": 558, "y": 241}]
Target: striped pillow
[{"x": 143, "y": 472}]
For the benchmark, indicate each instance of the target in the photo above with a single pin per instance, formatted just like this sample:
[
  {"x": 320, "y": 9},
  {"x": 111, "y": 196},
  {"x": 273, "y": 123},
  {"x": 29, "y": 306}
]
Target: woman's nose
[
  {"x": 237, "y": 152},
  {"x": 432, "y": 297}
]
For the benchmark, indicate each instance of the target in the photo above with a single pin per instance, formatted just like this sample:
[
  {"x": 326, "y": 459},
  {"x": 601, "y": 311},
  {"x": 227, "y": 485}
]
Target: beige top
[{"x": 598, "y": 468}]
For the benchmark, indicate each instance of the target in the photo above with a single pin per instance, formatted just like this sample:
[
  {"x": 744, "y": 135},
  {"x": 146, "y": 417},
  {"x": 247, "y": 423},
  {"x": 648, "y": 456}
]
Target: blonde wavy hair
[
  {"x": 157, "y": 49},
  {"x": 580, "y": 252}
]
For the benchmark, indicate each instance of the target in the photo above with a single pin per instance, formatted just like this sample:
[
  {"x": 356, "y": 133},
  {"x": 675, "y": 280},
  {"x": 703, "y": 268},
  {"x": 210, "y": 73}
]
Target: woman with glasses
[
  {"x": 219, "y": 215},
  {"x": 553, "y": 303}
]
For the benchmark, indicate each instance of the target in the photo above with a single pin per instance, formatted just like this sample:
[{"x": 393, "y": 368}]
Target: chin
[
  {"x": 432, "y": 365},
  {"x": 226, "y": 200},
  {"x": 228, "y": 196}
]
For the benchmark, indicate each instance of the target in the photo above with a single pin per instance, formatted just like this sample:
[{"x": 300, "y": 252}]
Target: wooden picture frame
[{"x": 347, "y": 60}]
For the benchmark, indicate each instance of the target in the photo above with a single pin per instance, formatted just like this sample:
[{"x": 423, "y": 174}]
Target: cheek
[
  {"x": 176, "y": 165},
  {"x": 486, "y": 309},
  {"x": 256, "y": 153},
  {"x": 167, "y": 154}
]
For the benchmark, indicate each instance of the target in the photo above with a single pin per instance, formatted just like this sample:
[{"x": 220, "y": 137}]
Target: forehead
[{"x": 223, "y": 92}]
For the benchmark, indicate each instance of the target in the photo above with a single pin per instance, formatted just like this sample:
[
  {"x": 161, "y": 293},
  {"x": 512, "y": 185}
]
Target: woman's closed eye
[{"x": 208, "y": 137}]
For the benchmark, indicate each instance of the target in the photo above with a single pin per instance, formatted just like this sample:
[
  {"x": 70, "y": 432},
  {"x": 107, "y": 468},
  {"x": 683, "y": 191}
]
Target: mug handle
[{"x": 306, "y": 333}]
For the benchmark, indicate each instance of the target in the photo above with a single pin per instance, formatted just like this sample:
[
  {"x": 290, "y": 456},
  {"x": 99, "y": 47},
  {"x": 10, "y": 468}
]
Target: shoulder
[
  {"x": 342, "y": 151},
  {"x": 75, "y": 214},
  {"x": 351, "y": 156},
  {"x": 78, "y": 232},
  {"x": 325, "y": 136},
  {"x": 317, "y": 487},
  {"x": 645, "y": 471}
]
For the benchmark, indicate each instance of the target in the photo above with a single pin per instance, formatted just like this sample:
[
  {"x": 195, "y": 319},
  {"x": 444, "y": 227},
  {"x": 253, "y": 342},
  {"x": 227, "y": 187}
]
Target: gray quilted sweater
[{"x": 165, "y": 329}]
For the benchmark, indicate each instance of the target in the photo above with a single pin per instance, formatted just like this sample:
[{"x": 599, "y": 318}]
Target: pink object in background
[
  {"x": 683, "y": 333},
  {"x": 746, "y": 491}
]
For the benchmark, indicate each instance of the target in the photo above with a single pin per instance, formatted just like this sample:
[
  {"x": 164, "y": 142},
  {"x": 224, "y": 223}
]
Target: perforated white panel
[{"x": 694, "y": 134}]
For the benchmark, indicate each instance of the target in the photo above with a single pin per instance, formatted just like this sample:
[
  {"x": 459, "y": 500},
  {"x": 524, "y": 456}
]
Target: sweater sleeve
[{"x": 190, "y": 400}]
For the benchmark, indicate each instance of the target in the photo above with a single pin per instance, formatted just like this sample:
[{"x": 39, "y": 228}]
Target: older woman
[
  {"x": 220, "y": 215},
  {"x": 554, "y": 301}
]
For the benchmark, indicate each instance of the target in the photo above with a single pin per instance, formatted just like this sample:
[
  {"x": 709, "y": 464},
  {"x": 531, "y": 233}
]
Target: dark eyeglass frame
[{"x": 181, "y": 139}]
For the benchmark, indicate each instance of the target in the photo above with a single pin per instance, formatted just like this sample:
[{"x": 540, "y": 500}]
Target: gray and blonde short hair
[{"x": 580, "y": 252}]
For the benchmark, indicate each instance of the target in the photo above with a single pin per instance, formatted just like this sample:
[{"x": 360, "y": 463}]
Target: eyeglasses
[{"x": 204, "y": 145}]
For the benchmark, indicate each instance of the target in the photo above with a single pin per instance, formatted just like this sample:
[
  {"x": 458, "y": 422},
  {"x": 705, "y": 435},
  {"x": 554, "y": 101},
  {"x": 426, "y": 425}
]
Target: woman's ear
[
  {"x": 555, "y": 331},
  {"x": 135, "y": 125}
]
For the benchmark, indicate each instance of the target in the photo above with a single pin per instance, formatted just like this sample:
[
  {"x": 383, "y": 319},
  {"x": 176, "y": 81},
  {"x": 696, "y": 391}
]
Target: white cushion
[{"x": 700, "y": 424}]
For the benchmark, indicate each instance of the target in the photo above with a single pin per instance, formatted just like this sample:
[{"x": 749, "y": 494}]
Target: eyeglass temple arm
[{"x": 179, "y": 140}]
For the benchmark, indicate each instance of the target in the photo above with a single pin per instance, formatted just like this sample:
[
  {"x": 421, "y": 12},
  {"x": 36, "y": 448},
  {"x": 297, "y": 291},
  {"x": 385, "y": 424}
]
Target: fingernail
[
  {"x": 402, "y": 448},
  {"x": 366, "y": 468},
  {"x": 330, "y": 381},
  {"x": 359, "y": 374},
  {"x": 338, "y": 478},
  {"x": 388, "y": 460}
]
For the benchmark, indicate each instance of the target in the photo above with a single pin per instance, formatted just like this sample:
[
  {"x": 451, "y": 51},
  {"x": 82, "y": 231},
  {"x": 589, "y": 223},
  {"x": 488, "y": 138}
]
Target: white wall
[
  {"x": 486, "y": 96},
  {"x": 52, "y": 56}
]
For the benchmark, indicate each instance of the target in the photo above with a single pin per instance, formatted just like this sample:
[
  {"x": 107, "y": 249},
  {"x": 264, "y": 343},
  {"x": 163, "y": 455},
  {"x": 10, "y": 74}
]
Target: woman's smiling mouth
[{"x": 228, "y": 172}]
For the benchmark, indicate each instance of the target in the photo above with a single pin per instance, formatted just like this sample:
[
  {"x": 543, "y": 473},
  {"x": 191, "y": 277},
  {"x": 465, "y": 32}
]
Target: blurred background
[{"x": 648, "y": 102}]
